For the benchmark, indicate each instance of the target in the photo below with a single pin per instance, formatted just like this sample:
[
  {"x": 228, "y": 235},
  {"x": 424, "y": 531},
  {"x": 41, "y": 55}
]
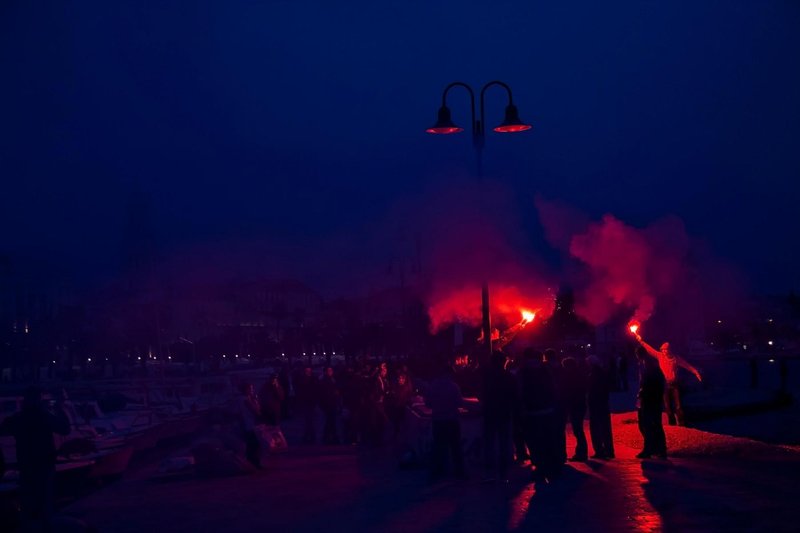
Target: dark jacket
[
  {"x": 573, "y": 389},
  {"x": 598, "y": 390},
  {"x": 33, "y": 429},
  {"x": 651, "y": 386},
  {"x": 499, "y": 395},
  {"x": 537, "y": 392}
]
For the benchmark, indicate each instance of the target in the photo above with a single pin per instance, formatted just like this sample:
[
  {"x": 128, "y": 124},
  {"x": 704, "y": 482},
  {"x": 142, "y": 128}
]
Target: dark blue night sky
[{"x": 300, "y": 122}]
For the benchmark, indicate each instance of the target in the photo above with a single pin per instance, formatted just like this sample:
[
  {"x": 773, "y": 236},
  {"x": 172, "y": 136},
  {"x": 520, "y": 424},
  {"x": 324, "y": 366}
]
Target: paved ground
[{"x": 711, "y": 483}]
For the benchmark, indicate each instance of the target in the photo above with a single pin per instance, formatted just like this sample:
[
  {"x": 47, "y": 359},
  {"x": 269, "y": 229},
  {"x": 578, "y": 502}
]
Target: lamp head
[
  {"x": 444, "y": 123},
  {"x": 512, "y": 123}
]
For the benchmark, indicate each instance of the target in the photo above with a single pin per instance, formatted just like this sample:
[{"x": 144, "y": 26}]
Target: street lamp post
[{"x": 511, "y": 124}]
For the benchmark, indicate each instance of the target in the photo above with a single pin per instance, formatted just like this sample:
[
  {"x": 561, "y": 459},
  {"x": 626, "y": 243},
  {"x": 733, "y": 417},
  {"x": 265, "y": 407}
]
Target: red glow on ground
[
  {"x": 520, "y": 505},
  {"x": 513, "y": 128},
  {"x": 444, "y": 131}
]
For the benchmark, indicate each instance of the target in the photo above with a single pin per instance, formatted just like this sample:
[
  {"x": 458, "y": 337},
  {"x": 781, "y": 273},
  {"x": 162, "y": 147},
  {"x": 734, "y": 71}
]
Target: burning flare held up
[{"x": 503, "y": 339}]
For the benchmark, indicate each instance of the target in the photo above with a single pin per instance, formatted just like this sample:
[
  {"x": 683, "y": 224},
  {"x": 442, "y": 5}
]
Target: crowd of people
[
  {"x": 527, "y": 403},
  {"x": 360, "y": 404}
]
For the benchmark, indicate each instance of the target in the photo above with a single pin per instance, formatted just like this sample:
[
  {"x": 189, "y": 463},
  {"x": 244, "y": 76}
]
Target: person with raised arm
[{"x": 669, "y": 363}]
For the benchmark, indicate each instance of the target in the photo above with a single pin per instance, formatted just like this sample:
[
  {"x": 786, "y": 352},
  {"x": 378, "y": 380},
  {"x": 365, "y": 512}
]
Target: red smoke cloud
[
  {"x": 625, "y": 267},
  {"x": 506, "y": 304},
  {"x": 474, "y": 236}
]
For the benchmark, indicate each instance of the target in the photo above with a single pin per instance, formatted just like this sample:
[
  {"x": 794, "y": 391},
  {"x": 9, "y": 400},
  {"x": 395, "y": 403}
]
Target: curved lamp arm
[
  {"x": 483, "y": 92},
  {"x": 471, "y": 98}
]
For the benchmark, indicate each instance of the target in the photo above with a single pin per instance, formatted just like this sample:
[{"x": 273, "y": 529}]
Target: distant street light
[{"x": 511, "y": 124}]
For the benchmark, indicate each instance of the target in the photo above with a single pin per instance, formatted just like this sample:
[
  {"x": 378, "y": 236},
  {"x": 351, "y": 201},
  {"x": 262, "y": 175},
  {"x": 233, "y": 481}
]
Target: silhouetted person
[
  {"x": 306, "y": 392},
  {"x": 271, "y": 400},
  {"x": 498, "y": 400},
  {"x": 669, "y": 363},
  {"x": 444, "y": 399},
  {"x": 650, "y": 401},
  {"x": 550, "y": 361},
  {"x": 329, "y": 401},
  {"x": 517, "y": 431},
  {"x": 574, "y": 394},
  {"x": 538, "y": 399},
  {"x": 378, "y": 388},
  {"x": 397, "y": 401},
  {"x": 249, "y": 416},
  {"x": 32, "y": 429},
  {"x": 599, "y": 410}
]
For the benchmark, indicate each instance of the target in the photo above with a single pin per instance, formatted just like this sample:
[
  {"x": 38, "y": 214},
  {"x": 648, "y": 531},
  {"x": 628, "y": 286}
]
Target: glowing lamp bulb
[
  {"x": 444, "y": 130},
  {"x": 512, "y": 128}
]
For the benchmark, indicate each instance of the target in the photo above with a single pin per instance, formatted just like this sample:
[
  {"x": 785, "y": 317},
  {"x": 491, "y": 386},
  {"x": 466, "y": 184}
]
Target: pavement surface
[{"x": 710, "y": 483}]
